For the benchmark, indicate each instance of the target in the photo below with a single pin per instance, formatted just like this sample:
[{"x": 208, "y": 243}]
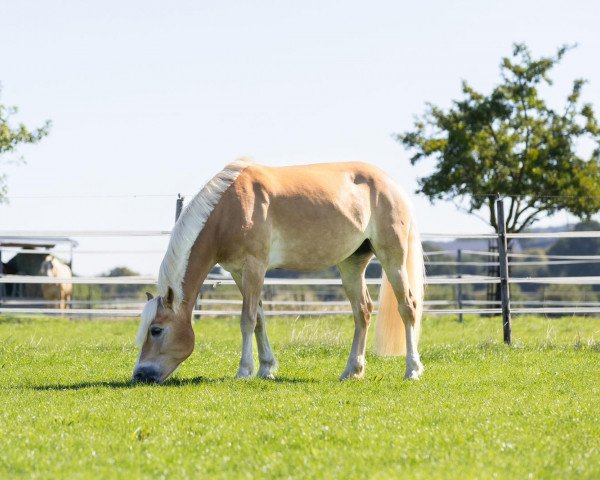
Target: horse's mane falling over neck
[{"x": 188, "y": 227}]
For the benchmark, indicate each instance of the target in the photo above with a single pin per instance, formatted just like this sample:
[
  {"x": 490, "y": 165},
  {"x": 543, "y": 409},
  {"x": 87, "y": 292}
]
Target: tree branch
[
  {"x": 493, "y": 220},
  {"x": 527, "y": 137},
  {"x": 470, "y": 212},
  {"x": 513, "y": 201},
  {"x": 529, "y": 219},
  {"x": 521, "y": 211}
]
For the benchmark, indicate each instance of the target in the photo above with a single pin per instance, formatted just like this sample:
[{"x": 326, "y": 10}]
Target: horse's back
[
  {"x": 354, "y": 190},
  {"x": 325, "y": 178},
  {"x": 311, "y": 216}
]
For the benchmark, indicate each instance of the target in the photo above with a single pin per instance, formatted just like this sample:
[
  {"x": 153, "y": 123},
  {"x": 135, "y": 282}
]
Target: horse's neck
[
  {"x": 56, "y": 270},
  {"x": 200, "y": 263}
]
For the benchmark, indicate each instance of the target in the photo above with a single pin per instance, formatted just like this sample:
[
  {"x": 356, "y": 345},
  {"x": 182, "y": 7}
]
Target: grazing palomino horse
[
  {"x": 250, "y": 218},
  {"x": 53, "y": 267}
]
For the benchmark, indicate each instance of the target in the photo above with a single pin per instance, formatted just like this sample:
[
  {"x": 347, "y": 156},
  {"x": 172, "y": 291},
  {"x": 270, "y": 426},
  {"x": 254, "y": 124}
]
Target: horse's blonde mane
[
  {"x": 188, "y": 227},
  {"x": 148, "y": 314}
]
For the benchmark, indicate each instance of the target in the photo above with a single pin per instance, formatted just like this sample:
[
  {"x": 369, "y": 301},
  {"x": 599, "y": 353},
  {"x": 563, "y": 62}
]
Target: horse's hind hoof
[{"x": 267, "y": 369}]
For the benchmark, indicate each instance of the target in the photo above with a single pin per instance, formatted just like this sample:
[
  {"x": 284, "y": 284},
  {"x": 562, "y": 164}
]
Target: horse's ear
[
  {"x": 169, "y": 297},
  {"x": 149, "y": 296}
]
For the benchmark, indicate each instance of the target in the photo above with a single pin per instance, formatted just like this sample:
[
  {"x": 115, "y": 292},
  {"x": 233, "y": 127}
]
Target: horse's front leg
[
  {"x": 268, "y": 364},
  {"x": 63, "y": 298},
  {"x": 252, "y": 280}
]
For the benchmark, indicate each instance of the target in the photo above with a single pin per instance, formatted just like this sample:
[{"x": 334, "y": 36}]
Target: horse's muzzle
[{"x": 146, "y": 374}]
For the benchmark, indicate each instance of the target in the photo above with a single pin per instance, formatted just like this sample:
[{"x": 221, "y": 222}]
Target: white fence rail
[
  {"x": 29, "y": 307},
  {"x": 437, "y": 280}
]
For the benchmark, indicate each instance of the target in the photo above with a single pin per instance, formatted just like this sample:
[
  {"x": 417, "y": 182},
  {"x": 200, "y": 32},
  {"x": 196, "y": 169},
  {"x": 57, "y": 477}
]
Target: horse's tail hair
[{"x": 390, "y": 335}]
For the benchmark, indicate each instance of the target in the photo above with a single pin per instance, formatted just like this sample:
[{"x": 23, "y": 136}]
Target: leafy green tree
[
  {"x": 511, "y": 143},
  {"x": 11, "y": 136},
  {"x": 130, "y": 291}
]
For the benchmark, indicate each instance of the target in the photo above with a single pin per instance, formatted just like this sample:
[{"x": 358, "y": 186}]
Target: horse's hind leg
[
  {"x": 352, "y": 271},
  {"x": 393, "y": 261}
]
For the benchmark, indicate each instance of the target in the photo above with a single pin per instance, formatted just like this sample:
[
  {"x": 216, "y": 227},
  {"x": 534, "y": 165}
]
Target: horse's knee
[
  {"x": 261, "y": 323},
  {"x": 248, "y": 324},
  {"x": 408, "y": 312},
  {"x": 366, "y": 311},
  {"x": 370, "y": 306}
]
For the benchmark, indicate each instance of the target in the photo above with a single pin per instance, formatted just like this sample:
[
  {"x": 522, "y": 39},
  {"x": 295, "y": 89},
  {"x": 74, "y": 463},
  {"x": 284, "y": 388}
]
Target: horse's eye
[{"x": 156, "y": 331}]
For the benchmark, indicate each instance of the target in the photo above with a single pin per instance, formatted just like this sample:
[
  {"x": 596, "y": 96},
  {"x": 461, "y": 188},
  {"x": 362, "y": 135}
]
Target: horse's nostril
[{"x": 145, "y": 374}]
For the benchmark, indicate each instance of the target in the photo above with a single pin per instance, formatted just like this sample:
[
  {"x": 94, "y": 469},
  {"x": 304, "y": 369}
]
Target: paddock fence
[{"x": 298, "y": 303}]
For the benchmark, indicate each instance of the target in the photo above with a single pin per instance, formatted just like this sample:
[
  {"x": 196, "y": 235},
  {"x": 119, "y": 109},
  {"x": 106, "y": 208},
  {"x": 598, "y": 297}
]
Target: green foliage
[
  {"x": 482, "y": 409},
  {"x": 571, "y": 293},
  {"x": 120, "y": 291},
  {"x": 13, "y": 136},
  {"x": 511, "y": 143},
  {"x": 82, "y": 291}
]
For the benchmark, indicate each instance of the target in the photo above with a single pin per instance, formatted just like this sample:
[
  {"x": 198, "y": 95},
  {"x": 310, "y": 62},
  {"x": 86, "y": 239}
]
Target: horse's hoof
[
  {"x": 267, "y": 369},
  {"x": 412, "y": 375},
  {"x": 354, "y": 369},
  {"x": 265, "y": 372},
  {"x": 352, "y": 375},
  {"x": 243, "y": 374}
]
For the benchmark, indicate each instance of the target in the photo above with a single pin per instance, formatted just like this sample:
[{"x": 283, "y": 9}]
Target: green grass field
[{"x": 481, "y": 410}]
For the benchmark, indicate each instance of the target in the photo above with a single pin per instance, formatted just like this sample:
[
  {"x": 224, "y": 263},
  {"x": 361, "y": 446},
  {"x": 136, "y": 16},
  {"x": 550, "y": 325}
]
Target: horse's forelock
[{"x": 148, "y": 314}]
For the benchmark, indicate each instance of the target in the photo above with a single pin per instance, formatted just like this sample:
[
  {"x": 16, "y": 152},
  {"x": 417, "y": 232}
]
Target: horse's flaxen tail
[{"x": 390, "y": 335}]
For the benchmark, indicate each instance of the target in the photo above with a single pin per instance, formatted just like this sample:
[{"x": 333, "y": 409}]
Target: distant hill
[{"x": 482, "y": 245}]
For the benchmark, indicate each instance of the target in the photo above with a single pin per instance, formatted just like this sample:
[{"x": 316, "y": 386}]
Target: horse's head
[
  {"x": 166, "y": 339},
  {"x": 47, "y": 266}
]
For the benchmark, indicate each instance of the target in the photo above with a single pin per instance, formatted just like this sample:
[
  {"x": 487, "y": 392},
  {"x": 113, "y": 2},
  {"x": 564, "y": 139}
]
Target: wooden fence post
[{"x": 503, "y": 259}]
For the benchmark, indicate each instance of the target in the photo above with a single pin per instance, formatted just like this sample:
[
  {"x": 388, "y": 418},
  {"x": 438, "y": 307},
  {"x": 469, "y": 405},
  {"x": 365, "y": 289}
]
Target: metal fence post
[
  {"x": 459, "y": 285},
  {"x": 178, "y": 206},
  {"x": 1, "y": 284},
  {"x": 503, "y": 259}
]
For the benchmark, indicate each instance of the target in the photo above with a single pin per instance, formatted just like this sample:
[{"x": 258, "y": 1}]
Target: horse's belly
[
  {"x": 308, "y": 250},
  {"x": 320, "y": 224}
]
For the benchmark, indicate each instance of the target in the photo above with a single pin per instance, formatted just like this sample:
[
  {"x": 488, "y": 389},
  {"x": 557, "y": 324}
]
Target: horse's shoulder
[{"x": 255, "y": 178}]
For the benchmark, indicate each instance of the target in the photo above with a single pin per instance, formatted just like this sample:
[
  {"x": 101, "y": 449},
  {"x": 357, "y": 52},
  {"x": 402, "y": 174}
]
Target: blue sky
[{"x": 152, "y": 98}]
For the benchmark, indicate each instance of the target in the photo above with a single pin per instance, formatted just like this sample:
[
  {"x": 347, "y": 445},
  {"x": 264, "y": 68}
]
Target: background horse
[
  {"x": 251, "y": 218},
  {"x": 53, "y": 267}
]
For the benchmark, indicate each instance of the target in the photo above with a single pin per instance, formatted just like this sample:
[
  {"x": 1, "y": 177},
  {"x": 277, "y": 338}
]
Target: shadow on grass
[
  {"x": 80, "y": 386},
  {"x": 172, "y": 382}
]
